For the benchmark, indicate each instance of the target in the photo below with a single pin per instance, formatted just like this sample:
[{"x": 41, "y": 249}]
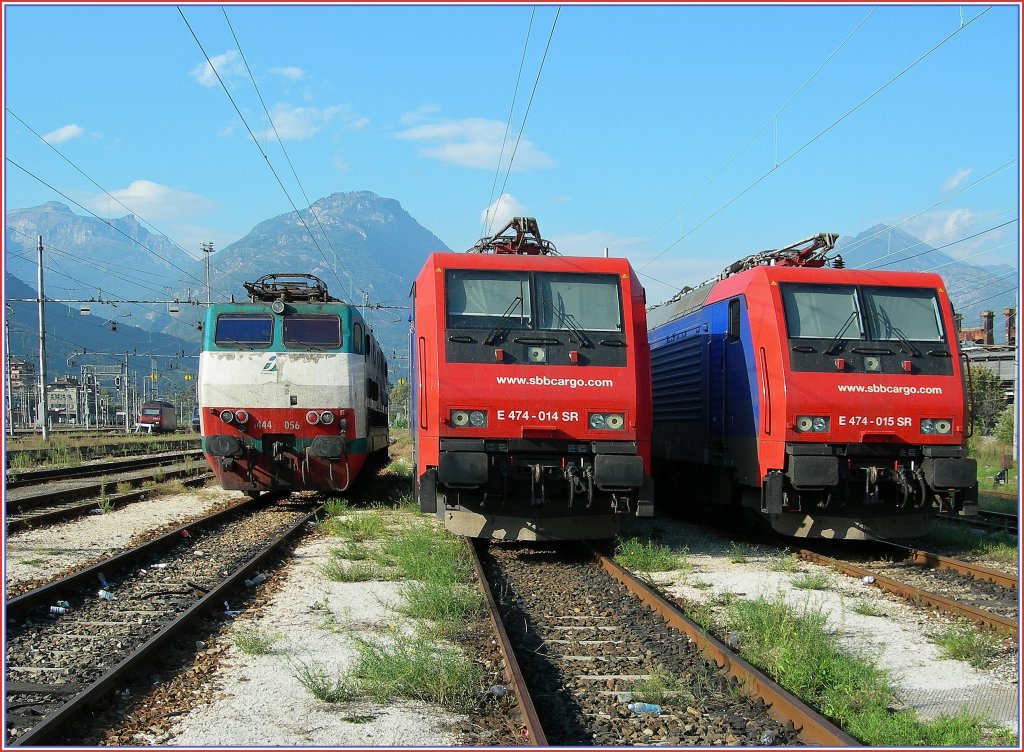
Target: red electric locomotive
[
  {"x": 830, "y": 402},
  {"x": 530, "y": 390}
]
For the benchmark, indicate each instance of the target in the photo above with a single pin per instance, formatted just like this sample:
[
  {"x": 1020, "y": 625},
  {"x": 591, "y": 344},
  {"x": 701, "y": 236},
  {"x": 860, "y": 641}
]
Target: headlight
[
  {"x": 227, "y": 416},
  {"x": 312, "y": 417},
  {"x": 471, "y": 418},
  {"x": 326, "y": 418},
  {"x": 241, "y": 416},
  {"x": 936, "y": 425},
  {"x": 812, "y": 423},
  {"x": 606, "y": 421}
]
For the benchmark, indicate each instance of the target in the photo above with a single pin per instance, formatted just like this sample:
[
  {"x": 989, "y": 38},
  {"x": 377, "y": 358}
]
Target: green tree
[
  {"x": 989, "y": 398},
  {"x": 399, "y": 401},
  {"x": 1004, "y": 426}
]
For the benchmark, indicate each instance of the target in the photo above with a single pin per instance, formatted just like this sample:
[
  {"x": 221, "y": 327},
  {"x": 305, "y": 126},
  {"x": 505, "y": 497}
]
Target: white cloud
[
  {"x": 939, "y": 228},
  {"x": 420, "y": 114},
  {"x": 495, "y": 216},
  {"x": 226, "y": 65},
  {"x": 64, "y": 133},
  {"x": 475, "y": 143},
  {"x": 152, "y": 202},
  {"x": 290, "y": 71},
  {"x": 296, "y": 123},
  {"x": 341, "y": 165},
  {"x": 960, "y": 176}
]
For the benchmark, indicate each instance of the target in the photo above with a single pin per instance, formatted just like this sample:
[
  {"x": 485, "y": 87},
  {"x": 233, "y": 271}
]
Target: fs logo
[{"x": 271, "y": 364}]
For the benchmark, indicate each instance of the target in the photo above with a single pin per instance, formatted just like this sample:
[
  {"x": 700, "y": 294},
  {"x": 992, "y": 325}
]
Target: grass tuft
[
  {"x": 965, "y": 643},
  {"x": 814, "y": 581},
  {"x": 321, "y": 683},
  {"x": 645, "y": 556},
  {"x": 252, "y": 640},
  {"x": 411, "y": 668},
  {"x": 797, "y": 650}
]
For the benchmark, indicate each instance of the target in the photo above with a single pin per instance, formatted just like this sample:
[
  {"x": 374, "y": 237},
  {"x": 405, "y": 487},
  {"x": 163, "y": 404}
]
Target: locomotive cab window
[
  {"x": 582, "y": 301},
  {"x": 896, "y": 313},
  {"x": 312, "y": 331},
  {"x": 733, "y": 330},
  {"x": 243, "y": 330},
  {"x": 357, "y": 338},
  {"x": 481, "y": 299},
  {"x": 821, "y": 311}
]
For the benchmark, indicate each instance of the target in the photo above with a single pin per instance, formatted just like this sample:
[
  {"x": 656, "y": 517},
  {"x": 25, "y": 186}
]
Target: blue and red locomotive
[
  {"x": 292, "y": 389},
  {"x": 530, "y": 390},
  {"x": 830, "y": 402}
]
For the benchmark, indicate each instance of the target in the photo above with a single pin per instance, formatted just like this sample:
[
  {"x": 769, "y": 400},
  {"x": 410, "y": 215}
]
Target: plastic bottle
[
  {"x": 63, "y": 604},
  {"x": 644, "y": 707},
  {"x": 259, "y": 579},
  {"x": 57, "y": 610},
  {"x": 106, "y": 595},
  {"x": 103, "y": 580},
  {"x": 498, "y": 690}
]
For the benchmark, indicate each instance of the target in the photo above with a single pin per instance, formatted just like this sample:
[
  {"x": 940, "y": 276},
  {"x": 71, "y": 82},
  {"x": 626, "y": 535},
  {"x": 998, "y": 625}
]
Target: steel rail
[
  {"x": 95, "y": 451},
  {"x": 96, "y": 489},
  {"x": 948, "y": 605},
  {"x": 17, "y": 479},
  {"x": 78, "y": 510},
  {"x": 976, "y": 571},
  {"x": 814, "y": 728},
  {"x": 52, "y": 723},
  {"x": 985, "y": 519},
  {"x": 532, "y": 731},
  {"x": 41, "y": 595}
]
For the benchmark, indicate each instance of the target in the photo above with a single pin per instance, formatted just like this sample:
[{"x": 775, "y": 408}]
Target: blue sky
[{"x": 634, "y": 139}]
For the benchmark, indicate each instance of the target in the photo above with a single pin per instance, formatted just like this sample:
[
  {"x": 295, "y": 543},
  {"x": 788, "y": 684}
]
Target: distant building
[
  {"x": 979, "y": 346},
  {"x": 64, "y": 396}
]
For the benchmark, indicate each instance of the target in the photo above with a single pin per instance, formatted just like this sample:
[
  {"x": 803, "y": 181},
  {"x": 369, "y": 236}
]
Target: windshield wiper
[
  {"x": 903, "y": 338},
  {"x": 492, "y": 337},
  {"x": 886, "y": 322},
  {"x": 567, "y": 320},
  {"x": 830, "y": 350}
]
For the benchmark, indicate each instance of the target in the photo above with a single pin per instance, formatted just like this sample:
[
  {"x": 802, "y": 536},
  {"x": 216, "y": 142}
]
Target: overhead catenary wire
[
  {"x": 255, "y": 140},
  {"x": 295, "y": 174},
  {"x": 106, "y": 222},
  {"x": 82, "y": 172},
  {"x": 508, "y": 125},
  {"x": 526, "y": 114},
  {"x": 939, "y": 248},
  {"x": 759, "y": 131},
  {"x": 820, "y": 133}
]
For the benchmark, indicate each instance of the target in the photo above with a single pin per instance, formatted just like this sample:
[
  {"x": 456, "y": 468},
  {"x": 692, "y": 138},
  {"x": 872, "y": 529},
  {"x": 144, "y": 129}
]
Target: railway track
[
  {"x": 17, "y": 479},
  {"x": 29, "y": 505},
  {"x": 593, "y": 637},
  {"x": 28, "y": 457},
  {"x": 1004, "y": 522},
  {"x": 986, "y": 597},
  {"x": 68, "y": 645}
]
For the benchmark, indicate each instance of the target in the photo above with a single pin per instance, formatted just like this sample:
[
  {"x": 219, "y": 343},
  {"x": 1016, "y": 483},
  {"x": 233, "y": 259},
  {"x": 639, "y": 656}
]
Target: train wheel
[{"x": 253, "y": 494}]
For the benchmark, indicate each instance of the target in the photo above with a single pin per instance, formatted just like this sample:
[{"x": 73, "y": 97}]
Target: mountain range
[{"x": 367, "y": 249}]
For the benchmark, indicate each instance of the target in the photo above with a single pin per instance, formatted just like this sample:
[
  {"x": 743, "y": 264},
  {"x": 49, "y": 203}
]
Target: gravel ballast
[{"x": 257, "y": 701}]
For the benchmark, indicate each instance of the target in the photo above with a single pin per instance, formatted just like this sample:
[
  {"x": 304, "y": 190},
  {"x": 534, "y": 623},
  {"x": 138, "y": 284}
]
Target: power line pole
[
  {"x": 207, "y": 249},
  {"x": 44, "y": 407},
  {"x": 7, "y": 372}
]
